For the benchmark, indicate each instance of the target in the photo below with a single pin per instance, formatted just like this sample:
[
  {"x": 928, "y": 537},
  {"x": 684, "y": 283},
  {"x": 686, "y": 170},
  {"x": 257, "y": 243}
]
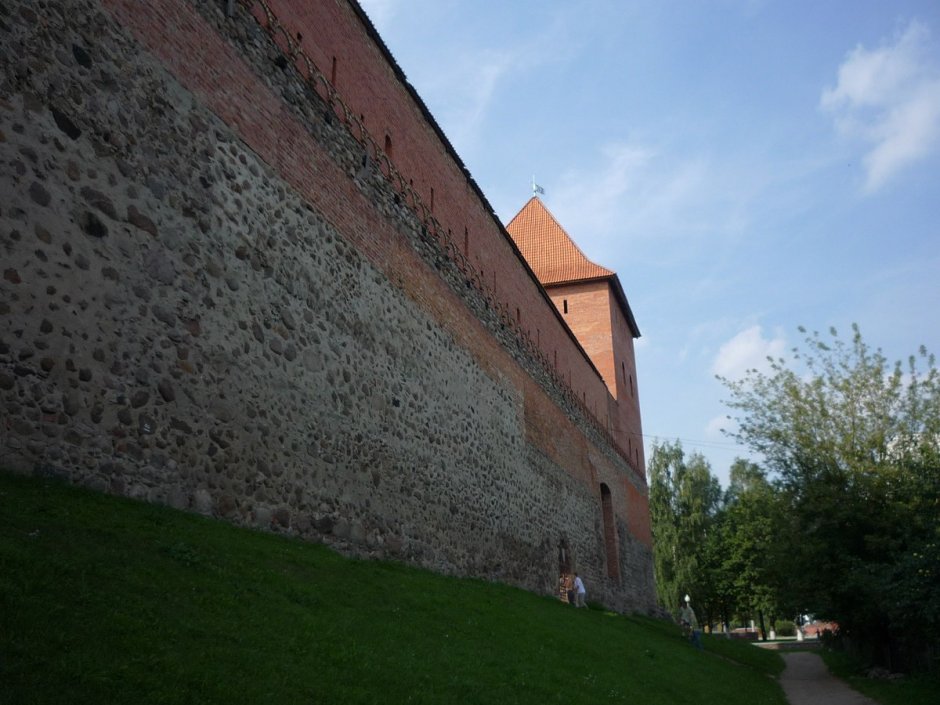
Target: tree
[
  {"x": 855, "y": 444},
  {"x": 723, "y": 603},
  {"x": 753, "y": 552},
  {"x": 684, "y": 499}
]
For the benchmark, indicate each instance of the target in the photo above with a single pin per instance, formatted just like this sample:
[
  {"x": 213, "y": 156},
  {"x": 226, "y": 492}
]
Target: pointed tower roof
[
  {"x": 555, "y": 258},
  {"x": 549, "y": 250}
]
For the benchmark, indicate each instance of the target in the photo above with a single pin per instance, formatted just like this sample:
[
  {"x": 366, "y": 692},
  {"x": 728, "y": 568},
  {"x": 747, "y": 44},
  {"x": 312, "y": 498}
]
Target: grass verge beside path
[
  {"x": 104, "y": 600},
  {"x": 910, "y": 690},
  {"x": 745, "y": 652}
]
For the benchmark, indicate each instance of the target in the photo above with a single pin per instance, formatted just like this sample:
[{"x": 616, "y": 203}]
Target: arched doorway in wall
[{"x": 610, "y": 534}]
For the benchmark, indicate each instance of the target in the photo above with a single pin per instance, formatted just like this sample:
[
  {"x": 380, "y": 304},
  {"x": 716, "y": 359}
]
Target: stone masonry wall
[{"x": 184, "y": 320}]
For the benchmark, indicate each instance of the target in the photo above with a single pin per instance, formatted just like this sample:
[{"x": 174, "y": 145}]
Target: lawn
[
  {"x": 922, "y": 689},
  {"x": 106, "y": 600}
]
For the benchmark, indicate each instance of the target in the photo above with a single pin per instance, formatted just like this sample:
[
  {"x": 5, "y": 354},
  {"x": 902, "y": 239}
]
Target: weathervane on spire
[{"x": 536, "y": 189}]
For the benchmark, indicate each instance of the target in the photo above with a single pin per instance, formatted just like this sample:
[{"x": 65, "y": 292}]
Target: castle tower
[{"x": 592, "y": 302}]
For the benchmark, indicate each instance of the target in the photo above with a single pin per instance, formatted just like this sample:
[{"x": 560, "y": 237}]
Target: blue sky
[{"x": 746, "y": 166}]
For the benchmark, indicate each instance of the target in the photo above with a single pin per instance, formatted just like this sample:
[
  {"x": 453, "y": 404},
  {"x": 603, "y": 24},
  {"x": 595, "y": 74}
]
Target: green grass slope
[
  {"x": 104, "y": 600},
  {"x": 919, "y": 689}
]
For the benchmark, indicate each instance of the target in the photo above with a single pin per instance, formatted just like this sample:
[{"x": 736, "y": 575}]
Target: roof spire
[{"x": 536, "y": 189}]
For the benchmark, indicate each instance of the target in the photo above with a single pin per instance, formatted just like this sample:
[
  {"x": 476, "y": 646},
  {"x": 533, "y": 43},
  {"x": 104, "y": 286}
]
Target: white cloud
[
  {"x": 473, "y": 70},
  {"x": 592, "y": 200},
  {"x": 889, "y": 98},
  {"x": 459, "y": 87},
  {"x": 638, "y": 191},
  {"x": 747, "y": 350},
  {"x": 465, "y": 91}
]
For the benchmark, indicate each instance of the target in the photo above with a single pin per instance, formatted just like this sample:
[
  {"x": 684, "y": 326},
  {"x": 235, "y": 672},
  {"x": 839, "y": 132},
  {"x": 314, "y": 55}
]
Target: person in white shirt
[
  {"x": 579, "y": 591},
  {"x": 689, "y": 623}
]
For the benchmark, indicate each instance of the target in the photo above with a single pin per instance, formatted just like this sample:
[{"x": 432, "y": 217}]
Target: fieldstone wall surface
[{"x": 179, "y": 324}]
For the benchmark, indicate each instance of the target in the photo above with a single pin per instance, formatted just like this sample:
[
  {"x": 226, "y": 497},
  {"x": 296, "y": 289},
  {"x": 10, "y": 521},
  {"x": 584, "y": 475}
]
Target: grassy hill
[{"x": 104, "y": 600}]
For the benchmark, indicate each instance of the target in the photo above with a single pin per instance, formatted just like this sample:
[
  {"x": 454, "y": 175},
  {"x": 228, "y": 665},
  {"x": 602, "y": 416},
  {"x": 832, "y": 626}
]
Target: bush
[{"x": 784, "y": 627}]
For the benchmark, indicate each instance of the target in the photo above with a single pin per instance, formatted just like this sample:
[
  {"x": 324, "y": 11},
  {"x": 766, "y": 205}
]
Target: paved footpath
[{"x": 807, "y": 681}]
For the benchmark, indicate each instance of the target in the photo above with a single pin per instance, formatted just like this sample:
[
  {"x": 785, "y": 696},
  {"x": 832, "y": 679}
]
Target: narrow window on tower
[
  {"x": 466, "y": 242},
  {"x": 432, "y": 199},
  {"x": 388, "y": 145},
  {"x": 564, "y": 305},
  {"x": 631, "y": 385},
  {"x": 333, "y": 72}
]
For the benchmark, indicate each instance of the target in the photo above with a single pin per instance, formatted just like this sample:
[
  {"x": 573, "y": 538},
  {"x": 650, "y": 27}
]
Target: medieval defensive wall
[{"x": 245, "y": 274}]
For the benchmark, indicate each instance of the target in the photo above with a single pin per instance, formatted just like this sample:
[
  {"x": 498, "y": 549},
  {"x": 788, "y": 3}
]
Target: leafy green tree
[
  {"x": 684, "y": 499},
  {"x": 722, "y": 591},
  {"x": 854, "y": 442},
  {"x": 753, "y": 552}
]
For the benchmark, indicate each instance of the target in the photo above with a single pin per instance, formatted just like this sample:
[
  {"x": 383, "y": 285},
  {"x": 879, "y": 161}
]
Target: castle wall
[
  {"x": 371, "y": 89},
  {"x": 208, "y": 301}
]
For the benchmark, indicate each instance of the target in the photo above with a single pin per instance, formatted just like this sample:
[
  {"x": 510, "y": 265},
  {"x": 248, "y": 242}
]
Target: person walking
[
  {"x": 689, "y": 623},
  {"x": 579, "y": 591}
]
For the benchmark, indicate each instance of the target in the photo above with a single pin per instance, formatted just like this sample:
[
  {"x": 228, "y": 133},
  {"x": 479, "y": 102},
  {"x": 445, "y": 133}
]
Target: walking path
[{"x": 807, "y": 681}]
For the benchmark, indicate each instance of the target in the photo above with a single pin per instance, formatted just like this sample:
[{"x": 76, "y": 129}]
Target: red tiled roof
[
  {"x": 555, "y": 259},
  {"x": 549, "y": 250}
]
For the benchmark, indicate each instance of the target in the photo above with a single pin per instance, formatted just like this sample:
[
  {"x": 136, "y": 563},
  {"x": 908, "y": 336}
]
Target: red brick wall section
[
  {"x": 628, "y": 395},
  {"x": 638, "y": 513},
  {"x": 549, "y": 429},
  {"x": 588, "y": 316}
]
